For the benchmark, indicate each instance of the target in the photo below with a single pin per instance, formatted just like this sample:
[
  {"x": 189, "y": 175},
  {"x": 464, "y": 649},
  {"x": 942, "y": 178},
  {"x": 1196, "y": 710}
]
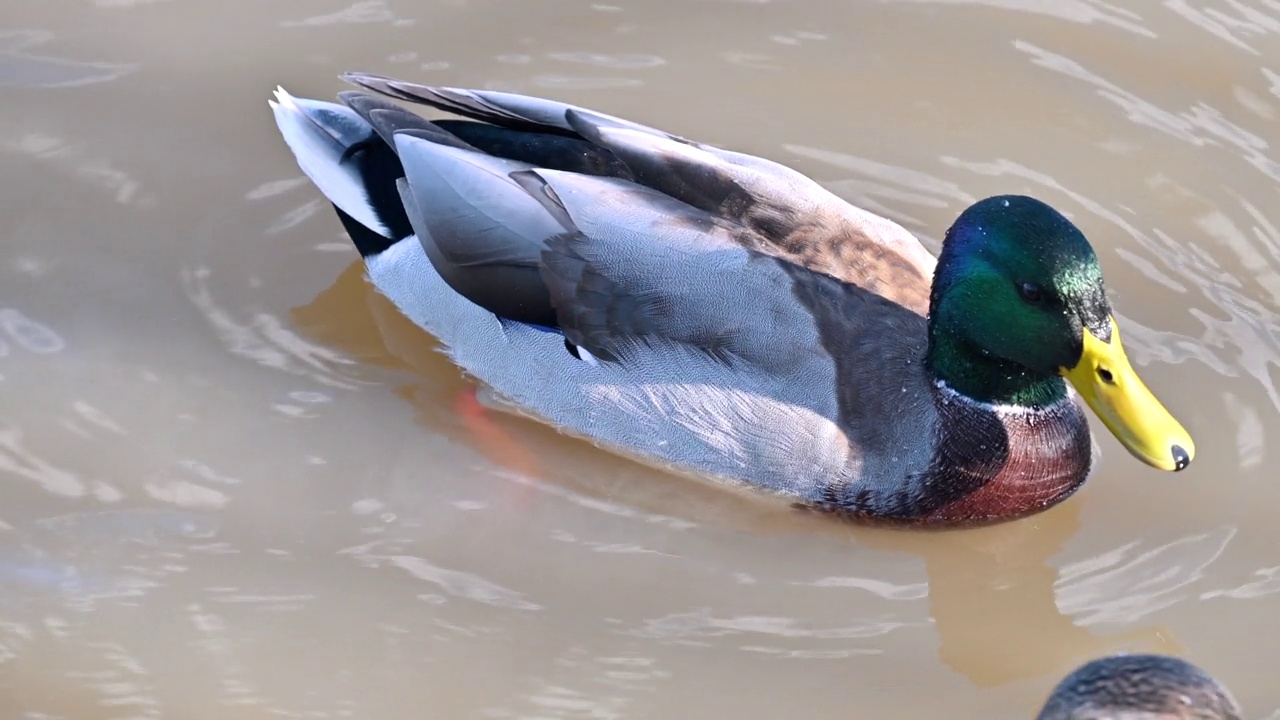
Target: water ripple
[
  {"x": 702, "y": 624},
  {"x": 577, "y": 684},
  {"x": 1199, "y": 125},
  {"x": 1251, "y": 442},
  {"x": 882, "y": 588},
  {"x": 264, "y": 339},
  {"x": 17, "y": 459},
  {"x": 606, "y": 60},
  {"x": 1267, "y": 583},
  {"x": 124, "y": 683},
  {"x": 125, "y": 3},
  {"x": 1250, "y": 22},
  {"x": 187, "y": 494},
  {"x": 572, "y": 82},
  {"x": 30, "y": 335},
  {"x": 1085, "y": 12},
  {"x": 881, "y": 180},
  {"x": 18, "y": 67},
  {"x": 455, "y": 583},
  {"x": 276, "y": 187},
  {"x": 591, "y": 503},
  {"x": 65, "y": 156},
  {"x": 363, "y": 12},
  {"x": 1119, "y": 586},
  {"x": 604, "y": 547}
]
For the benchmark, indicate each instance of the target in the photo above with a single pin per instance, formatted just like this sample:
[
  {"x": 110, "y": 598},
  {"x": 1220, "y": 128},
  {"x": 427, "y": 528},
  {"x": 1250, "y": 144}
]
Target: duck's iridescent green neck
[
  {"x": 1015, "y": 285},
  {"x": 988, "y": 379}
]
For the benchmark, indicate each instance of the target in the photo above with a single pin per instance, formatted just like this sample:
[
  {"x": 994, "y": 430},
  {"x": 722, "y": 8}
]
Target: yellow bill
[{"x": 1109, "y": 385}]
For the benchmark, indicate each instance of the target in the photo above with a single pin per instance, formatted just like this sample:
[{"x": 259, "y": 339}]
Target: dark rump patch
[
  {"x": 378, "y": 168},
  {"x": 368, "y": 243}
]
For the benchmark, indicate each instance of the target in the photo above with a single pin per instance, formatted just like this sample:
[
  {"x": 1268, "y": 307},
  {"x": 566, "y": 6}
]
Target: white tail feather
[{"x": 319, "y": 154}]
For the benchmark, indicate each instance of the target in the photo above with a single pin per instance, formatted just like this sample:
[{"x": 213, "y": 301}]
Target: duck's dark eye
[{"x": 1030, "y": 292}]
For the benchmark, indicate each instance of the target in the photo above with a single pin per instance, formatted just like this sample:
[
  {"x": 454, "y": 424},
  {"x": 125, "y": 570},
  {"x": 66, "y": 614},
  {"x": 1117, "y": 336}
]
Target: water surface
[{"x": 237, "y": 484}]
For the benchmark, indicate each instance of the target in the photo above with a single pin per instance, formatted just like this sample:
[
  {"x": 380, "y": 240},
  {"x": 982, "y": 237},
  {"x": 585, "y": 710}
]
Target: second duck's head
[{"x": 1139, "y": 687}]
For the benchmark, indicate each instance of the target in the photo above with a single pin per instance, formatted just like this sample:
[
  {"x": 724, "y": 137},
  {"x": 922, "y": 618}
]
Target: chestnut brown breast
[{"x": 1014, "y": 463}]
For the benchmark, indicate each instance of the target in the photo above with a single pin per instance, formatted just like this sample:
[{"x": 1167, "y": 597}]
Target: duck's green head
[
  {"x": 1156, "y": 687},
  {"x": 1018, "y": 304}
]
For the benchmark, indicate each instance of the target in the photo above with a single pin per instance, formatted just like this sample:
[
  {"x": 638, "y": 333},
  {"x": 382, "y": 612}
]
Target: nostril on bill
[{"x": 1180, "y": 458}]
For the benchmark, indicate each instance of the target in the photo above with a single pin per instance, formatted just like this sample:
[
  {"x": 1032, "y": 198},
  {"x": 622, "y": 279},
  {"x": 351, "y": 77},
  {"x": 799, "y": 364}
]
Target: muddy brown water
[{"x": 237, "y": 484}]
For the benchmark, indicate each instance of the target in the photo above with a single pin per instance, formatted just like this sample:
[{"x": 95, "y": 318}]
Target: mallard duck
[
  {"x": 1141, "y": 687},
  {"x": 719, "y": 313}
]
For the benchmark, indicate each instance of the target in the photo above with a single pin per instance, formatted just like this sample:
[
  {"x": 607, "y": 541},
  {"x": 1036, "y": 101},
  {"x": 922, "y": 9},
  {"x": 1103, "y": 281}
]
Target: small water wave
[
  {"x": 20, "y": 67},
  {"x": 359, "y": 13},
  {"x": 1129, "y": 583},
  {"x": 264, "y": 339},
  {"x": 699, "y": 625}
]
